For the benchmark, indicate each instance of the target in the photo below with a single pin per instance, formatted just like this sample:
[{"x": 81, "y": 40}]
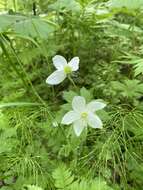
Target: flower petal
[
  {"x": 56, "y": 77},
  {"x": 74, "y": 63},
  {"x": 70, "y": 117},
  {"x": 95, "y": 105},
  {"x": 94, "y": 121},
  {"x": 78, "y": 103},
  {"x": 78, "y": 127},
  {"x": 59, "y": 62}
]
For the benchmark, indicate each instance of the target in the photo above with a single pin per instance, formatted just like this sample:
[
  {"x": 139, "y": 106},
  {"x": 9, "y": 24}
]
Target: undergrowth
[{"x": 37, "y": 152}]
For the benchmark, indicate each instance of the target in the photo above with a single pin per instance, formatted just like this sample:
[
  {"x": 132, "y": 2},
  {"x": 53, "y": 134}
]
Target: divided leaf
[{"x": 63, "y": 177}]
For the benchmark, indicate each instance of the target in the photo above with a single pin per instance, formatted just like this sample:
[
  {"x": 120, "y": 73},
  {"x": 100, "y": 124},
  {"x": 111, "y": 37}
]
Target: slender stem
[
  {"x": 28, "y": 80},
  {"x": 12, "y": 64},
  {"x": 64, "y": 134},
  {"x": 72, "y": 81}
]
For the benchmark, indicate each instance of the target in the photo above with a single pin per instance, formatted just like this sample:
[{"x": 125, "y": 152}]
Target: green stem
[
  {"x": 28, "y": 80},
  {"x": 72, "y": 81},
  {"x": 12, "y": 64}
]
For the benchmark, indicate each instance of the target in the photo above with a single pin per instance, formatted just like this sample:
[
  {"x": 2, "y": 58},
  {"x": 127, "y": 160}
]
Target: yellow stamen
[
  {"x": 67, "y": 69},
  {"x": 84, "y": 115}
]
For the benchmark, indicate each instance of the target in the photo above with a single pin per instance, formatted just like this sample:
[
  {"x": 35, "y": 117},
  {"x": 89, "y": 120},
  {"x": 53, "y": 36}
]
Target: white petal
[
  {"x": 94, "y": 121},
  {"x": 78, "y": 127},
  {"x": 78, "y": 103},
  {"x": 59, "y": 62},
  {"x": 56, "y": 77},
  {"x": 74, "y": 63},
  {"x": 70, "y": 117},
  {"x": 95, "y": 105}
]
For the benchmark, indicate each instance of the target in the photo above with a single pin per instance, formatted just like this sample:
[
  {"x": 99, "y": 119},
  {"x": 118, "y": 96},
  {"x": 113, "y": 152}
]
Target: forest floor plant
[{"x": 98, "y": 93}]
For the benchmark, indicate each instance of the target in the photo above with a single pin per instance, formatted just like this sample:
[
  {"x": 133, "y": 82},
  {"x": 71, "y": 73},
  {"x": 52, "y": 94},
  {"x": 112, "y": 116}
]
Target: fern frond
[
  {"x": 96, "y": 184},
  {"x": 63, "y": 177}
]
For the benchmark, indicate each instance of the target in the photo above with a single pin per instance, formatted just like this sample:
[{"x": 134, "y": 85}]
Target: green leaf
[
  {"x": 33, "y": 27},
  {"x": 139, "y": 67},
  {"x": 6, "y": 145},
  {"x": 13, "y": 104},
  {"x": 7, "y": 21},
  {"x": 128, "y": 88},
  {"x": 128, "y": 4},
  {"x": 68, "y": 95},
  {"x": 63, "y": 177},
  {"x": 6, "y": 188},
  {"x": 96, "y": 184},
  {"x": 134, "y": 60},
  {"x": 86, "y": 94},
  {"x": 71, "y": 5}
]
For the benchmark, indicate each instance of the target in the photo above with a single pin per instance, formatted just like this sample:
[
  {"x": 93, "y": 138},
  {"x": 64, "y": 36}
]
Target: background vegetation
[{"x": 36, "y": 152}]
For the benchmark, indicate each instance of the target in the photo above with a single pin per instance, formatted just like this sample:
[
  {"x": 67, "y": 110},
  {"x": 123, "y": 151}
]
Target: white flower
[
  {"x": 83, "y": 114},
  {"x": 63, "y": 69}
]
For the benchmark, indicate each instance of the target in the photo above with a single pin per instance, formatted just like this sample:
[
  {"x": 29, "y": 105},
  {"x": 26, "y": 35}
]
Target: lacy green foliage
[
  {"x": 7, "y": 134},
  {"x": 34, "y": 147},
  {"x": 97, "y": 184},
  {"x": 134, "y": 60},
  {"x": 65, "y": 180},
  {"x": 128, "y": 88},
  {"x": 63, "y": 177}
]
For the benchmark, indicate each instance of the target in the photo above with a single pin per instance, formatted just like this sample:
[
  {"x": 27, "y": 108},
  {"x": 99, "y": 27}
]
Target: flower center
[
  {"x": 67, "y": 69},
  {"x": 84, "y": 115}
]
